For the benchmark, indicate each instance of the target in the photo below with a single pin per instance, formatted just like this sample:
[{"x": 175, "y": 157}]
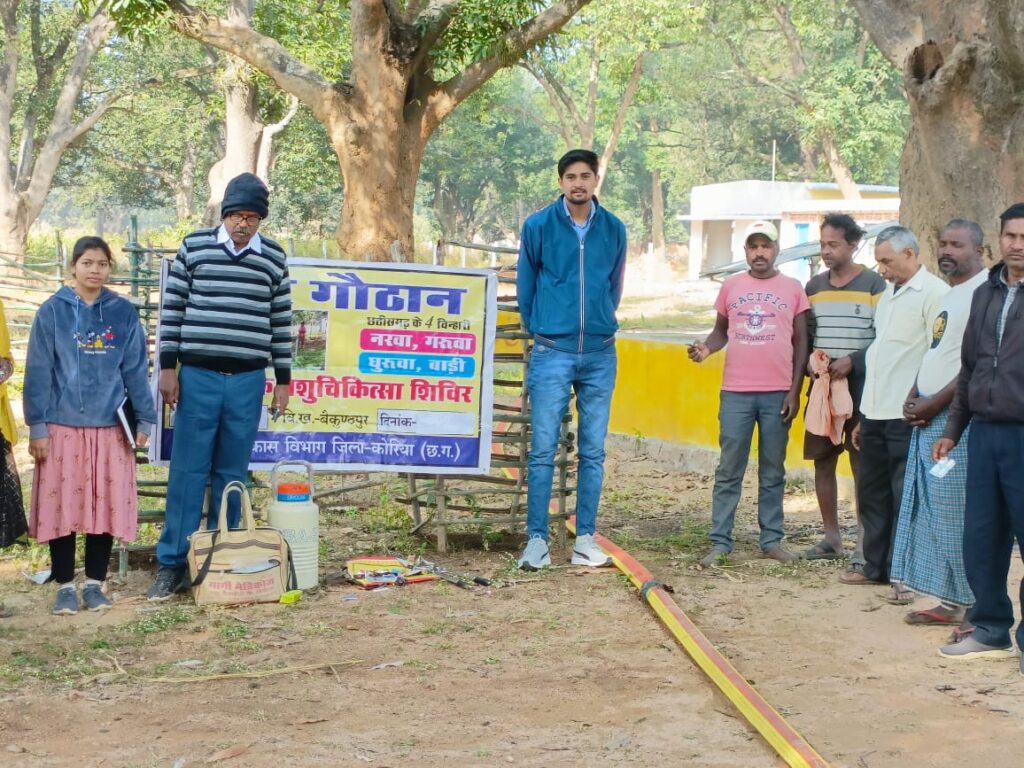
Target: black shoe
[{"x": 168, "y": 582}]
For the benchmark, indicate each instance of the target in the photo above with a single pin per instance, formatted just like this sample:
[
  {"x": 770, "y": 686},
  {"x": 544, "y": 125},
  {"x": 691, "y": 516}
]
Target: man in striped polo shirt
[
  {"x": 226, "y": 316},
  {"x": 841, "y": 323}
]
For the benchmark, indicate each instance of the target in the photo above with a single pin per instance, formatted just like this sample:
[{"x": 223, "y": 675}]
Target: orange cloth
[{"x": 830, "y": 403}]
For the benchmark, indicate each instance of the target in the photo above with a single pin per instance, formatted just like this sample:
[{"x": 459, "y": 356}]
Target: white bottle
[{"x": 293, "y": 512}]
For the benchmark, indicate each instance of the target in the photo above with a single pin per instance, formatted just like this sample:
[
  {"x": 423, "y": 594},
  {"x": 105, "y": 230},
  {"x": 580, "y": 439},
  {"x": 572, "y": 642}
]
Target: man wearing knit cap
[{"x": 226, "y": 317}]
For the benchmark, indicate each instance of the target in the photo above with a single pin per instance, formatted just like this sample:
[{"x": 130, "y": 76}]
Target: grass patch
[
  {"x": 699, "y": 319},
  {"x": 693, "y": 537},
  {"x": 158, "y": 621}
]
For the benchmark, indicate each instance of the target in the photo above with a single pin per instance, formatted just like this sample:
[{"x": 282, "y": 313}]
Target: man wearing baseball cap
[
  {"x": 762, "y": 318},
  {"x": 225, "y": 317}
]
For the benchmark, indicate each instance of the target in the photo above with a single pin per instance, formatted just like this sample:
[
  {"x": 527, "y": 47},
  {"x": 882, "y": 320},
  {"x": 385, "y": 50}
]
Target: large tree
[
  {"x": 412, "y": 64},
  {"x": 479, "y": 167},
  {"x": 593, "y": 80},
  {"x": 843, "y": 98},
  {"x": 44, "y": 104},
  {"x": 248, "y": 137},
  {"x": 963, "y": 71}
]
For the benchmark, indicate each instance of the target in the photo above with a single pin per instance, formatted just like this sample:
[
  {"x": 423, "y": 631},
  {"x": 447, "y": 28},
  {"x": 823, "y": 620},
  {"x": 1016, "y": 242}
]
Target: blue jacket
[
  {"x": 81, "y": 360},
  {"x": 568, "y": 288}
]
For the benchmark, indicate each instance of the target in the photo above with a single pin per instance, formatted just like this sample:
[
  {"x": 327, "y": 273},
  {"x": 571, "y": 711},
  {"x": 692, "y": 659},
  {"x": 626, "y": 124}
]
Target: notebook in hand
[{"x": 130, "y": 425}]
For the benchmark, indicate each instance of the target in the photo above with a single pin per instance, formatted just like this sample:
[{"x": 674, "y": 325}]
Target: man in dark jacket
[
  {"x": 990, "y": 395},
  {"x": 569, "y": 283}
]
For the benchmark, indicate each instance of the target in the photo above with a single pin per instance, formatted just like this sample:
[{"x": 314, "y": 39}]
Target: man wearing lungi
[{"x": 928, "y": 549}]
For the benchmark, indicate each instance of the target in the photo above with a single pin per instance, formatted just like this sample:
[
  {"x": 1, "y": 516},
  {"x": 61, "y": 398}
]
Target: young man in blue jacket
[{"x": 571, "y": 260}]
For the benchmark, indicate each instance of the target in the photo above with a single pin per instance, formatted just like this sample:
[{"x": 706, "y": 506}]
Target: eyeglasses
[{"x": 238, "y": 218}]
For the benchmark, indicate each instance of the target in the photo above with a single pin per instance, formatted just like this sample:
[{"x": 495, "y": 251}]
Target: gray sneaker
[
  {"x": 168, "y": 581},
  {"x": 535, "y": 556},
  {"x": 66, "y": 603},
  {"x": 94, "y": 599},
  {"x": 586, "y": 552},
  {"x": 968, "y": 649},
  {"x": 717, "y": 556}
]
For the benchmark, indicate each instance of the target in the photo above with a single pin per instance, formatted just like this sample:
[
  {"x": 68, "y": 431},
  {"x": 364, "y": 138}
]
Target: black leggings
[{"x": 98, "y": 547}]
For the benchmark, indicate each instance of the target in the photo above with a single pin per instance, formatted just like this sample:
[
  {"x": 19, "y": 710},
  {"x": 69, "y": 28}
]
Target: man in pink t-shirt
[{"x": 761, "y": 318}]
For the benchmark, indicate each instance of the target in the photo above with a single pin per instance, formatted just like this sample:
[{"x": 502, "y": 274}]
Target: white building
[{"x": 720, "y": 213}]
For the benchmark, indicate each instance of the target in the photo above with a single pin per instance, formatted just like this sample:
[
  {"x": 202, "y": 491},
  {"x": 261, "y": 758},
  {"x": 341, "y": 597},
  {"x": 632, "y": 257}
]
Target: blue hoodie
[
  {"x": 81, "y": 360},
  {"x": 569, "y": 288}
]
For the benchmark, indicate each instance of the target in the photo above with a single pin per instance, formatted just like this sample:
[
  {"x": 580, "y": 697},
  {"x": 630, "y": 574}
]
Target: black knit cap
[{"x": 246, "y": 192}]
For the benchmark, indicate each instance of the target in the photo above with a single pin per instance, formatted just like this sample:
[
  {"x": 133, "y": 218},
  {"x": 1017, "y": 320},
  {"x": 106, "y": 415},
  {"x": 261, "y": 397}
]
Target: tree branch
[
  {"x": 61, "y": 123},
  {"x": 64, "y": 133},
  {"x": 262, "y": 52},
  {"x": 165, "y": 176},
  {"x": 515, "y": 45},
  {"x": 434, "y": 21},
  {"x": 757, "y": 79},
  {"x": 894, "y": 25},
  {"x": 46, "y": 66},
  {"x": 796, "y": 52},
  {"x": 862, "y": 49},
  {"x": 625, "y": 102},
  {"x": 267, "y": 139},
  {"x": 548, "y": 125},
  {"x": 593, "y": 80},
  {"x": 561, "y": 102},
  {"x": 11, "y": 56}
]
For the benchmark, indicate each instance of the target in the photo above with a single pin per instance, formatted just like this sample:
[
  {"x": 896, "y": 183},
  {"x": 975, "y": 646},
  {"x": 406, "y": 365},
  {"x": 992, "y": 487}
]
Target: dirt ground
[{"x": 558, "y": 669}]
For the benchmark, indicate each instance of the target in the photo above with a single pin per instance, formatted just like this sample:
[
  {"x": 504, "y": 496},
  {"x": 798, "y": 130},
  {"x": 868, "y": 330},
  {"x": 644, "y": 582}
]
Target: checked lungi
[{"x": 928, "y": 551}]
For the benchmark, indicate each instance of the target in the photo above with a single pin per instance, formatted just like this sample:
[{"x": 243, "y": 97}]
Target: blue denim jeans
[
  {"x": 553, "y": 376},
  {"x": 215, "y": 426},
  {"x": 738, "y": 412},
  {"x": 993, "y": 518}
]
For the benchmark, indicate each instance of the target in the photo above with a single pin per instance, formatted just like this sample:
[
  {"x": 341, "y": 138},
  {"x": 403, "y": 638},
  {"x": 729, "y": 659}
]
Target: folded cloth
[{"x": 830, "y": 403}]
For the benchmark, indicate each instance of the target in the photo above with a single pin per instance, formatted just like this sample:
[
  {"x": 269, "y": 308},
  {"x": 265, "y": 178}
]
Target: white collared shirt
[
  {"x": 903, "y": 331},
  {"x": 255, "y": 244}
]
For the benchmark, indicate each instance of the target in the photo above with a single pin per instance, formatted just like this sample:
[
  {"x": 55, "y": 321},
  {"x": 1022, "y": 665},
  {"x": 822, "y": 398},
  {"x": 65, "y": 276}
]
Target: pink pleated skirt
[{"x": 85, "y": 485}]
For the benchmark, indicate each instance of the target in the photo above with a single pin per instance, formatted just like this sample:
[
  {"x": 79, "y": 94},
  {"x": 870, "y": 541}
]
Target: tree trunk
[
  {"x": 657, "y": 215},
  {"x": 963, "y": 70},
  {"x": 625, "y": 102},
  {"x": 380, "y": 187},
  {"x": 14, "y": 225},
  {"x": 242, "y": 133},
  {"x": 242, "y": 127},
  {"x": 185, "y": 189},
  {"x": 13, "y": 236},
  {"x": 380, "y": 120},
  {"x": 265, "y": 154},
  {"x": 25, "y": 185},
  {"x": 840, "y": 170}
]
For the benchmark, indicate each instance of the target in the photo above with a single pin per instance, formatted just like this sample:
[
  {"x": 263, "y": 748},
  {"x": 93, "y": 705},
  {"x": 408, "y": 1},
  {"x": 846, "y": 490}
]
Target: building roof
[
  {"x": 795, "y": 252},
  {"x": 759, "y": 199}
]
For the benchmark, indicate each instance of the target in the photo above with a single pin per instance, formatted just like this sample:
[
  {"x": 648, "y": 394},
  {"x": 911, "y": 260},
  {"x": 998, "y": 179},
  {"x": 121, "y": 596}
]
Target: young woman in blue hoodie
[{"x": 86, "y": 352}]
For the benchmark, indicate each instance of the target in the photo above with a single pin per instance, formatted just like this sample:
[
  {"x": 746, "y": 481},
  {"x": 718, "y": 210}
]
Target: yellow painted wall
[{"x": 661, "y": 394}]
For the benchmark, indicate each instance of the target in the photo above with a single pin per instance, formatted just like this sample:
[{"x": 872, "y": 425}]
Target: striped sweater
[
  {"x": 225, "y": 313},
  {"x": 842, "y": 320}
]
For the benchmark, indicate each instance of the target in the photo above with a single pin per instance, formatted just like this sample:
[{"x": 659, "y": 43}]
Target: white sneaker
[
  {"x": 586, "y": 552},
  {"x": 535, "y": 556}
]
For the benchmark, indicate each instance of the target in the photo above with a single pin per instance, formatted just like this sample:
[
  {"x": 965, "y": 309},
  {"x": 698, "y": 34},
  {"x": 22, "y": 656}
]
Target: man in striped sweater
[
  {"x": 226, "y": 316},
  {"x": 841, "y": 323}
]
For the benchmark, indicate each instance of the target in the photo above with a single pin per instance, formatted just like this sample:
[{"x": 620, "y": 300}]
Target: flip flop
[
  {"x": 823, "y": 551},
  {"x": 931, "y": 617},
  {"x": 900, "y": 597}
]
